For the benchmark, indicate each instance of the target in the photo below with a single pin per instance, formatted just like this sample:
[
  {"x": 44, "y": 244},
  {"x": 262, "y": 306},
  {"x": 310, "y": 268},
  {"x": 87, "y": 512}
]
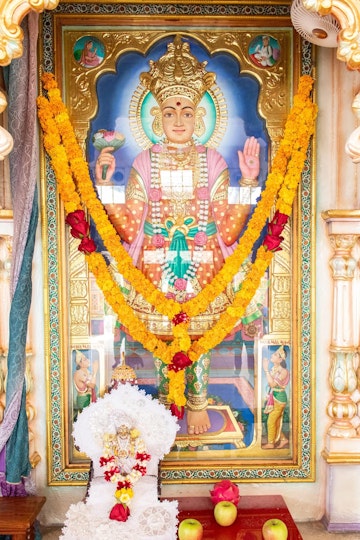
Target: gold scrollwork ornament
[{"x": 11, "y": 35}]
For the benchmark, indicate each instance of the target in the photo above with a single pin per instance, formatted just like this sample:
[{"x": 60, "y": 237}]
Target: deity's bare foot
[
  {"x": 269, "y": 446},
  {"x": 198, "y": 422},
  {"x": 283, "y": 443}
]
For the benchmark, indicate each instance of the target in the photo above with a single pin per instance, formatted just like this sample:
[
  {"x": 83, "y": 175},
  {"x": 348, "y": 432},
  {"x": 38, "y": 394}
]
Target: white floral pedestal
[{"x": 149, "y": 518}]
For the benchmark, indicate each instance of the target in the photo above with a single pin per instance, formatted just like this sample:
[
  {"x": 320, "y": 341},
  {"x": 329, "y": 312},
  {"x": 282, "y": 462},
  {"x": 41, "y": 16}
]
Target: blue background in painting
[{"x": 241, "y": 92}]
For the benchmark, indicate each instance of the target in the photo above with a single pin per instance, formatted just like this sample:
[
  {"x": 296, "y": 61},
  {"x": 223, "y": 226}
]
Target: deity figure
[
  {"x": 84, "y": 380},
  {"x": 264, "y": 54},
  {"x": 89, "y": 56},
  {"x": 176, "y": 222},
  {"x": 277, "y": 379}
]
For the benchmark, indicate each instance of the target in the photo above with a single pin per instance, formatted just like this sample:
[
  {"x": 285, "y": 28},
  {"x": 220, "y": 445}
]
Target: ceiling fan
[{"x": 317, "y": 29}]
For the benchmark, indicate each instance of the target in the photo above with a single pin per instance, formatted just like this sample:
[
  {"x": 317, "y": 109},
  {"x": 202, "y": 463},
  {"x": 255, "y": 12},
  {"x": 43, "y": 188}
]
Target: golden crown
[
  {"x": 178, "y": 73},
  {"x": 79, "y": 356},
  {"x": 281, "y": 352},
  {"x": 122, "y": 373}
]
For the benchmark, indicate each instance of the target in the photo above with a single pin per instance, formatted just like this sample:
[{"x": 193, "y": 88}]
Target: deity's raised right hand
[
  {"x": 105, "y": 163},
  {"x": 249, "y": 159}
]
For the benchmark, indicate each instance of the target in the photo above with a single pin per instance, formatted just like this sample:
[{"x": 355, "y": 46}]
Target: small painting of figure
[
  {"x": 89, "y": 52},
  {"x": 264, "y": 51}
]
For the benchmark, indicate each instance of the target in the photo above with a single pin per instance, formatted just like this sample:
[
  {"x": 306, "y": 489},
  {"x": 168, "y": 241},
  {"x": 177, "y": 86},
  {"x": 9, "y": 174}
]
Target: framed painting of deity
[{"x": 179, "y": 120}]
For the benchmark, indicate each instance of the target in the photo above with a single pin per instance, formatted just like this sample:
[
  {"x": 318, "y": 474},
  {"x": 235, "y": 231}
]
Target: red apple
[
  {"x": 225, "y": 513},
  {"x": 274, "y": 529},
  {"x": 190, "y": 529}
]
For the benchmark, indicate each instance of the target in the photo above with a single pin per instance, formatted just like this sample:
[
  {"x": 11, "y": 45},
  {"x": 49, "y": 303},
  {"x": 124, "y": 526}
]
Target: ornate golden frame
[
  {"x": 72, "y": 317},
  {"x": 346, "y": 11}
]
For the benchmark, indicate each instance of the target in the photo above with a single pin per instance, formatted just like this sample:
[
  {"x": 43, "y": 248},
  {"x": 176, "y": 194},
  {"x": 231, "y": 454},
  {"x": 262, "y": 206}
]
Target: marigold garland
[
  {"x": 163, "y": 305},
  {"x": 73, "y": 179}
]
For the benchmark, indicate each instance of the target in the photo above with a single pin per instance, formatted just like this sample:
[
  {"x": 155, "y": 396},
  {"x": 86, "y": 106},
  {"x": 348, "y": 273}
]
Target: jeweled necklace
[
  {"x": 175, "y": 157},
  {"x": 178, "y": 145},
  {"x": 200, "y": 238}
]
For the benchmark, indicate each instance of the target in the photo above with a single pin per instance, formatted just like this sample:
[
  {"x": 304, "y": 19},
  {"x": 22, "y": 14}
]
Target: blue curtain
[
  {"x": 17, "y": 447},
  {"x": 21, "y": 80}
]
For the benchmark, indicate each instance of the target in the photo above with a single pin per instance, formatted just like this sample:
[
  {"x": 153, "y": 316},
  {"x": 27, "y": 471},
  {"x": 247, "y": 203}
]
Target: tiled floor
[
  {"x": 309, "y": 531},
  {"x": 315, "y": 531}
]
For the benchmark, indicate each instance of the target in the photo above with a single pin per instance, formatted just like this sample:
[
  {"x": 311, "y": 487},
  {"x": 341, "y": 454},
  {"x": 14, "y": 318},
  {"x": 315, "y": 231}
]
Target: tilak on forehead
[{"x": 178, "y": 74}]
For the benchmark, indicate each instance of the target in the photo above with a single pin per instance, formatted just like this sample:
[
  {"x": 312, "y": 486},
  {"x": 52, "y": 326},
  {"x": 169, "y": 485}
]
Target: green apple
[
  {"x": 225, "y": 513},
  {"x": 274, "y": 529},
  {"x": 190, "y": 529}
]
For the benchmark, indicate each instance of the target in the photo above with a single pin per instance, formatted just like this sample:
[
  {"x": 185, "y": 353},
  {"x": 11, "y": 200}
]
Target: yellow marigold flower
[
  {"x": 71, "y": 207},
  {"x": 48, "y": 81},
  {"x": 284, "y": 208}
]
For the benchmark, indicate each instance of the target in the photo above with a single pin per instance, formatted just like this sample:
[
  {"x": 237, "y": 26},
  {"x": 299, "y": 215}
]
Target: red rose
[
  {"x": 225, "y": 491},
  {"x": 272, "y": 243},
  {"x": 79, "y": 225},
  {"x": 180, "y": 318},
  {"x": 280, "y": 219},
  {"x": 75, "y": 217},
  {"x": 177, "y": 411},
  {"x": 119, "y": 512},
  {"x": 274, "y": 229},
  {"x": 181, "y": 360},
  {"x": 79, "y": 230},
  {"x": 87, "y": 245}
]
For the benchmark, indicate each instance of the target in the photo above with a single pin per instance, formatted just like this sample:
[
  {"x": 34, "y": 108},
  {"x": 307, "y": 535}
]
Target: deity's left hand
[{"x": 249, "y": 162}]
